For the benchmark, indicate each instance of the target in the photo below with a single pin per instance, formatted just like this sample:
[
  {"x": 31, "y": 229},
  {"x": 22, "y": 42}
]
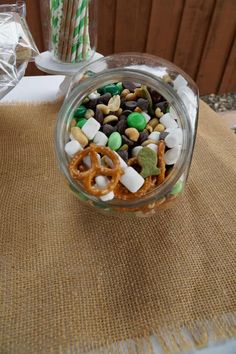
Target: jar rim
[{"x": 77, "y": 95}]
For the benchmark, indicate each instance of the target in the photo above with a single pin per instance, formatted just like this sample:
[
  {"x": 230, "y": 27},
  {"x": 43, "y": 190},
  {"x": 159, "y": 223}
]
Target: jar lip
[{"x": 116, "y": 75}]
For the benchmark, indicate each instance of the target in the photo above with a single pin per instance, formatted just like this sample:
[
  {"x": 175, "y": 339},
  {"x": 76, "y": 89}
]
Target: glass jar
[
  {"x": 177, "y": 88},
  {"x": 73, "y": 30}
]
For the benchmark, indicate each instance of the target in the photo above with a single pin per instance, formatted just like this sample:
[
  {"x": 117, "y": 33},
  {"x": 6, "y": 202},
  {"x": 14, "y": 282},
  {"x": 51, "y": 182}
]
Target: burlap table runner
[{"x": 73, "y": 281}]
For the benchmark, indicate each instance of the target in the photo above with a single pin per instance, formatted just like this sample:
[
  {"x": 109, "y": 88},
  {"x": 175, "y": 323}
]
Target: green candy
[
  {"x": 114, "y": 141},
  {"x": 147, "y": 159},
  {"x": 80, "y": 111},
  {"x": 178, "y": 187},
  {"x": 111, "y": 88},
  {"x": 137, "y": 120},
  {"x": 120, "y": 87},
  {"x": 81, "y": 122}
]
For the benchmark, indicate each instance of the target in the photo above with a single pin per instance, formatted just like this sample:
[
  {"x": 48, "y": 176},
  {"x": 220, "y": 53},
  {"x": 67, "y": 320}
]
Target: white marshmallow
[
  {"x": 179, "y": 82},
  {"x": 72, "y": 147},
  {"x": 171, "y": 156},
  {"x": 132, "y": 180},
  {"x": 172, "y": 139},
  {"x": 173, "y": 113},
  {"x": 123, "y": 164},
  {"x": 100, "y": 139},
  {"x": 101, "y": 182},
  {"x": 90, "y": 128},
  {"x": 168, "y": 121},
  {"x": 154, "y": 136},
  {"x": 179, "y": 133},
  {"x": 135, "y": 150},
  {"x": 87, "y": 160},
  {"x": 146, "y": 116},
  {"x": 94, "y": 95},
  {"x": 154, "y": 147}
]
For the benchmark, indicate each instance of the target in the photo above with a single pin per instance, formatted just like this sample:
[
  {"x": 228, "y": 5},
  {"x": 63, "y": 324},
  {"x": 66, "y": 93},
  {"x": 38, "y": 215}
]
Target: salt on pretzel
[
  {"x": 122, "y": 193},
  {"x": 87, "y": 177},
  {"x": 161, "y": 162}
]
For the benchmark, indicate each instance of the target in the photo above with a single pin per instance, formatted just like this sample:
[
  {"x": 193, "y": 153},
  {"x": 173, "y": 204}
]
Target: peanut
[
  {"x": 125, "y": 92},
  {"x": 110, "y": 118},
  {"x": 89, "y": 113},
  {"x": 131, "y": 97},
  {"x": 159, "y": 128},
  {"x": 158, "y": 112},
  {"x": 103, "y": 108},
  {"x": 114, "y": 103},
  {"x": 79, "y": 136},
  {"x": 132, "y": 134}
]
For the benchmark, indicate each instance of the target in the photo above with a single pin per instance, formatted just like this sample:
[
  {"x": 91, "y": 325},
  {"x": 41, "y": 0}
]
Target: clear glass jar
[
  {"x": 170, "y": 82},
  {"x": 73, "y": 33}
]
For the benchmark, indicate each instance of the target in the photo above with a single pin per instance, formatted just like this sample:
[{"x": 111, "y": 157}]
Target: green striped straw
[
  {"x": 77, "y": 48},
  {"x": 56, "y": 18},
  {"x": 86, "y": 42}
]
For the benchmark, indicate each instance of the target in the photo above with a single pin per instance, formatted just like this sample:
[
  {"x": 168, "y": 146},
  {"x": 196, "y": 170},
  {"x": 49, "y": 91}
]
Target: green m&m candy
[
  {"x": 137, "y": 120},
  {"x": 80, "y": 111},
  {"x": 111, "y": 88},
  {"x": 178, "y": 187},
  {"x": 114, "y": 141},
  {"x": 120, "y": 87},
  {"x": 81, "y": 122}
]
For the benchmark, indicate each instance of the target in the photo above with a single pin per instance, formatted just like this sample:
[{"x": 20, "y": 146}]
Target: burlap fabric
[{"x": 73, "y": 281}]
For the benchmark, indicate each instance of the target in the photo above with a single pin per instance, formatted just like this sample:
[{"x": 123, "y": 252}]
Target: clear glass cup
[
  {"x": 173, "y": 84},
  {"x": 19, "y": 7},
  {"x": 73, "y": 31}
]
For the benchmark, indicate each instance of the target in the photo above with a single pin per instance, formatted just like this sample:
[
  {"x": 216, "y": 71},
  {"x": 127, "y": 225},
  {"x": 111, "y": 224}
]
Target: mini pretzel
[
  {"x": 161, "y": 162},
  {"x": 88, "y": 176},
  {"x": 122, "y": 193}
]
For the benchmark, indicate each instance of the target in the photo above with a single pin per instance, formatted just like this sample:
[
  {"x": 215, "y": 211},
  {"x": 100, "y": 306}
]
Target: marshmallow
[
  {"x": 154, "y": 136},
  {"x": 171, "y": 156},
  {"x": 90, "y": 128},
  {"x": 87, "y": 160},
  {"x": 101, "y": 182},
  {"x": 100, "y": 139},
  {"x": 168, "y": 121},
  {"x": 132, "y": 180},
  {"x": 72, "y": 147},
  {"x": 123, "y": 164},
  {"x": 172, "y": 139},
  {"x": 147, "y": 117},
  {"x": 153, "y": 147},
  {"x": 94, "y": 95},
  {"x": 179, "y": 82},
  {"x": 135, "y": 150},
  {"x": 173, "y": 113}
]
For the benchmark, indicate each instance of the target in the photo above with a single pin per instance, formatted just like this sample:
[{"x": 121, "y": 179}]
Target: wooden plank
[
  {"x": 164, "y": 25},
  {"x": 132, "y": 23},
  {"x": 193, "y": 31},
  {"x": 228, "y": 83},
  {"x": 106, "y": 26},
  {"x": 218, "y": 44}
]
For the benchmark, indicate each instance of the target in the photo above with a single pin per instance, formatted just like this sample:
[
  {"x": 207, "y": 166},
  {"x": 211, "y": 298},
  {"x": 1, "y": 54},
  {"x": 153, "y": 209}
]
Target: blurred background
[{"x": 197, "y": 35}]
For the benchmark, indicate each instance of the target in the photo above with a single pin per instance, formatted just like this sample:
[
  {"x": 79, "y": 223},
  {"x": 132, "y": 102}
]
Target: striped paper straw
[
  {"x": 79, "y": 28},
  {"x": 86, "y": 39},
  {"x": 56, "y": 18}
]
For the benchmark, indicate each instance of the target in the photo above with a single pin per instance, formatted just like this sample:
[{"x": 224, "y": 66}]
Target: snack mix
[{"x": 124, "y": 141}]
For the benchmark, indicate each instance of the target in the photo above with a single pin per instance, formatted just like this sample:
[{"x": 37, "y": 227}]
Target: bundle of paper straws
[{"x": 70, "y": 38}]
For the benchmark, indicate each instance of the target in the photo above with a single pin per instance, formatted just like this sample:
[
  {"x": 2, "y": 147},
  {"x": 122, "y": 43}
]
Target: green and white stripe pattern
[
  {"x": 56, "y": 18},
  {"x": 78, "y": 40},
  {"x": 81, "y": 41}
]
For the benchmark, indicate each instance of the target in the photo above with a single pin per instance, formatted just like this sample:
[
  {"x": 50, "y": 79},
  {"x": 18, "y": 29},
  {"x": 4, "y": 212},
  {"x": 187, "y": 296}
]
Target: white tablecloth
[{"x": 35, "y": 89}]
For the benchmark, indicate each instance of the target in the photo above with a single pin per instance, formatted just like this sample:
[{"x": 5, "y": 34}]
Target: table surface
[{"x": 45, "y": 89}]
